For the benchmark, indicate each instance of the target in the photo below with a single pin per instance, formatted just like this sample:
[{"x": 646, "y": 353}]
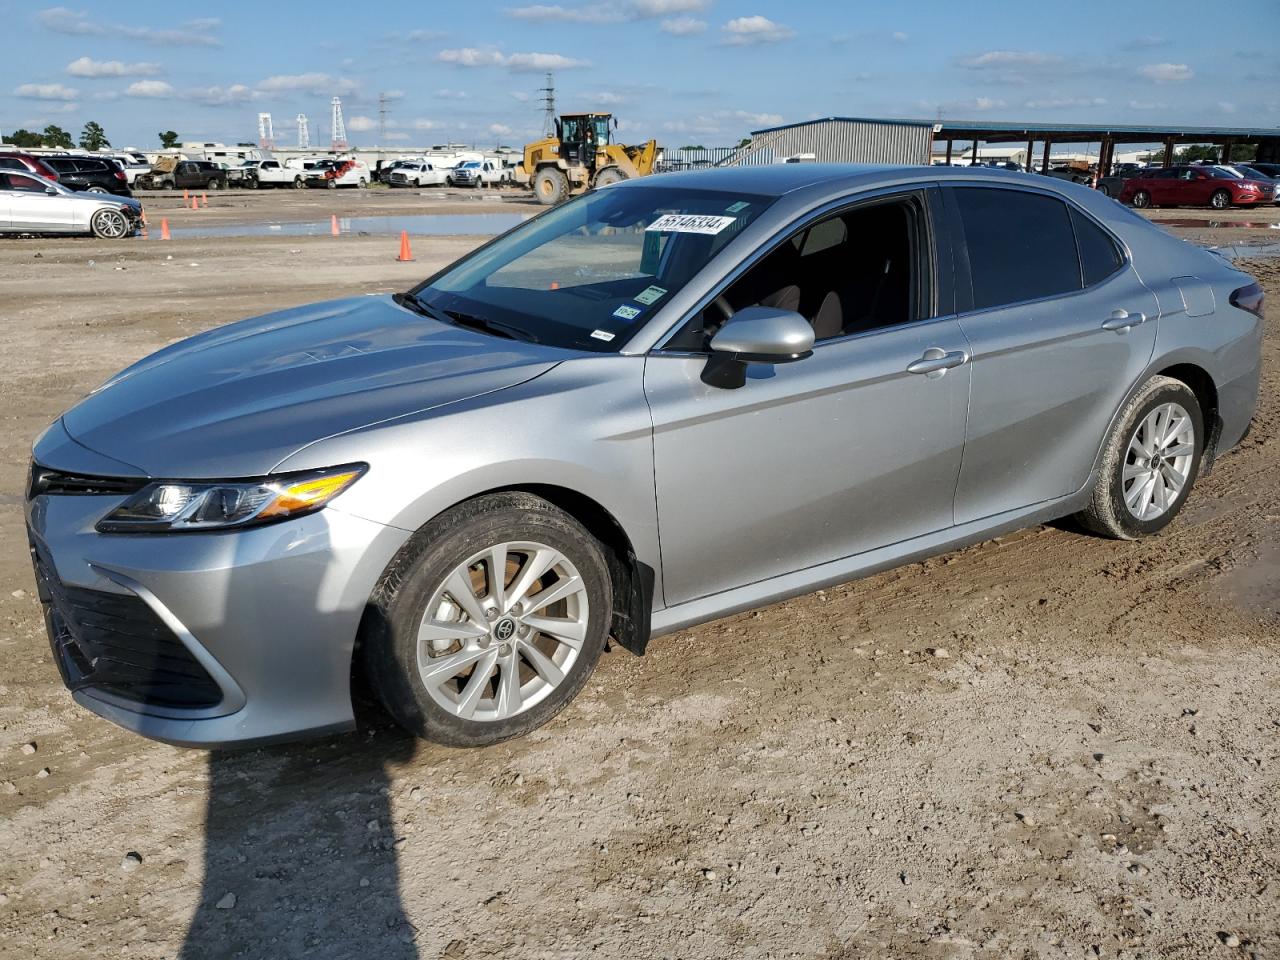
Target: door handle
[
  {"x": 1121, "y": 320},
  {"x": 937, "y": 361}
]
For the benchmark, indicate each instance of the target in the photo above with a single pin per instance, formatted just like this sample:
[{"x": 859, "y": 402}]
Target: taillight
[
  {"x": 1251, "y": 298},
  {"x": 119, "y": 175}
]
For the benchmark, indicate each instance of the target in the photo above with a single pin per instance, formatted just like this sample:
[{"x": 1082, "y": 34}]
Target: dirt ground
[{"x": 1049, "y": 745}]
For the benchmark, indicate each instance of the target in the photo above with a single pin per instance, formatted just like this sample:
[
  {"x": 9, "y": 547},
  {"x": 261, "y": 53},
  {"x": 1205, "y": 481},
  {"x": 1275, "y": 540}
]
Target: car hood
[{"x": 236, "y": 401}]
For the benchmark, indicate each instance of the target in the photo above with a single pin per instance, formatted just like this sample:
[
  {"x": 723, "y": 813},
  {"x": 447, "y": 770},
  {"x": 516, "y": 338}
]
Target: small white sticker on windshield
[
  {"x": 737, "y": 207},
  {"x": 689, "y": 223},
  {"x": 651, "y": 295},
  {"x": 626, "y": 313},
  {"x": 604, "y": 335}
]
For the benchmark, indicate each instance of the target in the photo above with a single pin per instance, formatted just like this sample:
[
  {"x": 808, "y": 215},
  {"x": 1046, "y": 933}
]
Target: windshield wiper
[{"x": 465, "y": 320}]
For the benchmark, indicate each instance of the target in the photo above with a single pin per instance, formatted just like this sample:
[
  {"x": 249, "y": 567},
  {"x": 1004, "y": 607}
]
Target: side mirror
[
  {"x": 756, "y": 335},
  {"x": 50, "y": 191}
]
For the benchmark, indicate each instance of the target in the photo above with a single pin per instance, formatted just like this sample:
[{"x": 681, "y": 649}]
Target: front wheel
[
  {"x": 1142, "y": 199},
  {"x": 1104, "y": 189},
  {"x": 1150, "y": 462},
  {"x": 109, "y": 225},
  {"x": 550, "y": 186},
  {"x": 1220, "y": 200},
  {"x": 488, "y": 622},
  {"x": 215, "y": 184},
  {"x": 97, "y": 190},
  {"x": 297, "y": 183}
]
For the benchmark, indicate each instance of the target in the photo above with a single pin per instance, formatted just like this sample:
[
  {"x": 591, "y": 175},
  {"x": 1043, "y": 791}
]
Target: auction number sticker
[
  {"x": 689, "y": 223},
  {"x": 604, "y": 335},
  {"x": 626, "y": 313}
]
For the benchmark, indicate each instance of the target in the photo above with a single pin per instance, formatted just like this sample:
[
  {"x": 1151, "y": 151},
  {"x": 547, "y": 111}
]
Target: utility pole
[
  {"x": 548, "y": 101},
  {"x": 382, "y": 119}
]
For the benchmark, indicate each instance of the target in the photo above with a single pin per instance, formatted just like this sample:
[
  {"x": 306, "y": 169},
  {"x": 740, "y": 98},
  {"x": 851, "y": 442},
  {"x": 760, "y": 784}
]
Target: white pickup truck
[
  {"x": 271, "y": 173},
  {"x": 478, "y": 173},
  {"x": 416, "y": 173}
]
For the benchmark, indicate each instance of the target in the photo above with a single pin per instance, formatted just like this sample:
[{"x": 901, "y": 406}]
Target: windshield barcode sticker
[
  {"x": 604, "y": 335},
  {"x": 626, "y": 313},
  {"x": 689, "y": 223}
]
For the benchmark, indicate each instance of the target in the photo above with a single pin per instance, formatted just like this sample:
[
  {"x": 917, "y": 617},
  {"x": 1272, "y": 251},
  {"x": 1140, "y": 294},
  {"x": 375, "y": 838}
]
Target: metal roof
[{"x": 995, "y": 131}]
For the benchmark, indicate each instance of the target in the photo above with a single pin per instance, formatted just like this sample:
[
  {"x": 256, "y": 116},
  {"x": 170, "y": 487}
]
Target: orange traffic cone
[
  {"x": 204, "y": 199},
  {"x": 164, "y": 228},
  {"x": 405, "y": 254},
  {"x": 185, "y": 198},
  {"x": 143, "y": 214},
  {"x": 333, "y": 225}
]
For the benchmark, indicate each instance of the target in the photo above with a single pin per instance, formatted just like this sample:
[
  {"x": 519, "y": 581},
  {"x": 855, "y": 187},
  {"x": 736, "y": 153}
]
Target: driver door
[{"x": 825, "y": 457}]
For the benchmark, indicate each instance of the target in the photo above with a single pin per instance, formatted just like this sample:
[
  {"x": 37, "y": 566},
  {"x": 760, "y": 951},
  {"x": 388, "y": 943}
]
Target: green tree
[
  {"x": 168, "y": 139},
  {"x": 23, "y": 138},
  {"x": 693, "y": 146},
  {"x": 93, "y": 137},
  {"x": 1243, "y": 152},
  {"x": 55, "y": 136}
]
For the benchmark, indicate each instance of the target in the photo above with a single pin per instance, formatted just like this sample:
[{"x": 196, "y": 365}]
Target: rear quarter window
[
  {"x": 1021, "y": 245},
  {"x": 1099, "y": 255}
]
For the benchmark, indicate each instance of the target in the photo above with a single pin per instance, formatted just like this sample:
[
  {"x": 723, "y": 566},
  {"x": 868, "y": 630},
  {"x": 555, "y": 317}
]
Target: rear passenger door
[{"x": 1060, "y": 327}]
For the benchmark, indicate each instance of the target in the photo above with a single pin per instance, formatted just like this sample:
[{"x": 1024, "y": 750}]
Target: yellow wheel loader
[{"x": 580, "y": 156}]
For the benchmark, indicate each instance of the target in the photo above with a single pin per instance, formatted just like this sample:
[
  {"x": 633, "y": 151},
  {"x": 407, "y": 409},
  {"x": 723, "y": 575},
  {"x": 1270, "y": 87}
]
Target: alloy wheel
[
  {"x": 503, "y": 631},
  {"x": 1220, "y": 200},
  {"x": 1158, "y": 461},
  {"x": 110, "y": 224}
]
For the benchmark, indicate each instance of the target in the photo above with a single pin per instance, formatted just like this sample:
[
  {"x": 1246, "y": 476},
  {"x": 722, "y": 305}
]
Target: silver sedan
[
  {"x": 30, "y": 204},
  {"x": 668, "y": 400}
]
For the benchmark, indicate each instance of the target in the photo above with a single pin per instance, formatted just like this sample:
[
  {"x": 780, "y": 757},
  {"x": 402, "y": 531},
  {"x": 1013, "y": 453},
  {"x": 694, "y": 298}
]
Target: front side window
[
  {"x": 1020, "y": 244},
  {"x": 589, "y": 273},
  {"x": 23, "y": 183}
]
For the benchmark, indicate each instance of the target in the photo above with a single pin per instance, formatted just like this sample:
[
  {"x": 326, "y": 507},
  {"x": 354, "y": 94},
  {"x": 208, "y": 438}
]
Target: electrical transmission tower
[
  {"x": 548, "y": 102},
  {"x": 266, "y": 136},
  {"x": 382, "y": 119},
  {"x": 304, "y": 132},
  {"x": 337, "y": 128}
]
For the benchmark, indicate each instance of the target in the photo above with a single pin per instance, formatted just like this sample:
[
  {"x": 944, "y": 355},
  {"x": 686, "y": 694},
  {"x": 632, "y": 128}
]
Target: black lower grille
[{"x": 116, "y": 643}]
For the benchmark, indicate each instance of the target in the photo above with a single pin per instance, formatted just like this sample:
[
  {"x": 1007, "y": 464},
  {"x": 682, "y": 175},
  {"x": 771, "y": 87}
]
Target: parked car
[
  {"x": 10, "y": 160},
  {"x": 1072, "y": 173},
  {"x": 1250, "y": 172},
  {"x": 1187, "y": 185},
  {"x": 1113, "y": 183},
  {"x": 1270, "y": 169},
  {"x": 33, "y": 204},
  {"x": 477, "y": 173},
  {"x": 91, "y": 174},
  {"x": 185, "y": 175},
  {"x": 133, "y": 164},
  {"x": 270, "y": 173},
  {"x": 331, "y": 173},
  {"x": 768, "y": 367},
  {"x": 415, "y": 173}
]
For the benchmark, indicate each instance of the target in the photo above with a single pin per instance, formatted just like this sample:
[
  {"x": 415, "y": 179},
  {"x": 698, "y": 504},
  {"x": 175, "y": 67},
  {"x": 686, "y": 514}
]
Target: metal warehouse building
[{"x": 840, "y": 140}]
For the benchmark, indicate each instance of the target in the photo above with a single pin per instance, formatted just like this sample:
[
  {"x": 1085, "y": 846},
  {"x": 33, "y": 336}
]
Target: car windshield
[{"x": 587, "y": 274}]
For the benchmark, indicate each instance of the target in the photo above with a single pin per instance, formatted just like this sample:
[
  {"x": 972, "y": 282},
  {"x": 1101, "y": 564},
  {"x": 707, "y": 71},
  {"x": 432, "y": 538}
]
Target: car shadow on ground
[{"x": 300, "y": 856}]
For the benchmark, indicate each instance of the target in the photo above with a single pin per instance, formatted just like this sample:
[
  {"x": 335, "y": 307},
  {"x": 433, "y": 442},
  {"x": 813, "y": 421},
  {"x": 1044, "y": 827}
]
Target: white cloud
[
  {"x": 1059, "y": 103},
  {"x": 46, "y": 91},
  {"x": 517, "y": 62},
  {"x": 420, "y": 36},
  {"x": 500, "y": 129},
  {"x": 88, "y": 67},
  {"x": 899, "y": 37},
  {"x": 149, "y": 89},
  {"x": 664, "y": 8},
  {"x": 194, "y": 33},
  {"x": 1146, "y": 105},
  {"x": 742, "y": 31},
  {"x": 361, "y": 124},
  {"x": 317, "y": 84},
  {"x": 1226, "y": 107},
  {"x": 1008, "y": 58},
  {"x": 682, "y": 26},
  {"x": 974, "y": 105},
  {"x": 447, "y": 94},
  {"x": 1166, "y": 72},
  {"x": 233, "y": 95},
  {"x": 609, "y": 11},
  {"x": 604, "y": 98},
  {"x": 397, "y": 135},
  {"x": 426, "y": 125},
  {"x": 520, "y": 95}
]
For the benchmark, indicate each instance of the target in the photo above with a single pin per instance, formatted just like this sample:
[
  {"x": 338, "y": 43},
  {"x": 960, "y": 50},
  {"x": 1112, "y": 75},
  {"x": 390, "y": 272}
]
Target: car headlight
[{"x": 176, "y": 506}]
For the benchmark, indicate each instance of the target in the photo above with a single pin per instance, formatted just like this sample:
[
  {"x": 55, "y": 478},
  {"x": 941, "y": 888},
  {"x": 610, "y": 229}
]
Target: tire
[
  {"x": 363, "y": 184},
  {"x": 215, "y": 184},
  {"x": 1104, "y": 189},
  {"x": 166, "y": 185},
  {"x": 96, "y": 190},
  {"x": 108, "y": 224},
  {"x": 297, "y": 183},
  {"x": 456, "y": 547},
  {"x": 609, "y": 175},
  {"x": 1220, "y": 200},
  {"x": 331, "y": 183},
  {"x": 1111, "y": 512},
  {"x": 1142, "y": 199},
  {"x": 550, "y": 186}
]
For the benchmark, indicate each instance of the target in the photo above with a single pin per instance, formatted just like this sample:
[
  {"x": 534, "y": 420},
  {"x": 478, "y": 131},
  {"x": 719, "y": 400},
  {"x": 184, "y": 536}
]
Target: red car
[
  {"x": 26, "y": 163},
  {"x": 1188, "y": 186}
]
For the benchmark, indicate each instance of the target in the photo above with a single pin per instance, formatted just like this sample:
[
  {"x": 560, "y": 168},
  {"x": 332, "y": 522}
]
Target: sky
[{"x": 682, "y": 71}]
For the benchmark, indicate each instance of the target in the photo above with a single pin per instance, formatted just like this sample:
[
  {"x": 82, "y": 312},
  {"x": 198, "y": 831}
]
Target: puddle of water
[
  {"x": 1243, "y": 251},
  {"x": 426, "y": 224},
  {"x": 1187, "y": 223}
]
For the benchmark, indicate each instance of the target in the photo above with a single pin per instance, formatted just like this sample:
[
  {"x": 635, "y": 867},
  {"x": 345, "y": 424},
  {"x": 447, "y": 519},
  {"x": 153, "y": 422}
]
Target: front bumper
[{"x": 264, "y": 619}]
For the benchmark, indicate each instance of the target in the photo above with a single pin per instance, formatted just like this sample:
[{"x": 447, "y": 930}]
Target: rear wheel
[
  {"x": 550, "y": 186},
  {"x": 1220, "y": 200},
  {"x": 1142, "y": 199},
  {"x": 109, "y": 225},
  {"x": 97, "y": 190},
  {"x": 297, "y": 183},
  {"x": 1104, "y": 189},
  {"x": 1150, "y": 462},
  {"x": 215, "y": 184},
  {"x": 489, "y": 621}
]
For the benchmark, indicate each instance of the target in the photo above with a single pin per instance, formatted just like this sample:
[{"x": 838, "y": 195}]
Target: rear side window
[
  {"x": 1021, "y": 245},
  {"x": 1099, "y": 256}
]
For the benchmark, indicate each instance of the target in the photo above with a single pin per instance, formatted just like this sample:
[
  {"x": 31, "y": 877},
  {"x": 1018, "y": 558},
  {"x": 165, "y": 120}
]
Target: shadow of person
[{"x": 300, "y": 856}]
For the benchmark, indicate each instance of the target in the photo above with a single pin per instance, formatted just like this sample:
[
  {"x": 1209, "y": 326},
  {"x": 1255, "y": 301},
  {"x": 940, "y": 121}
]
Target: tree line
[{"x": 92, "y": 138}]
